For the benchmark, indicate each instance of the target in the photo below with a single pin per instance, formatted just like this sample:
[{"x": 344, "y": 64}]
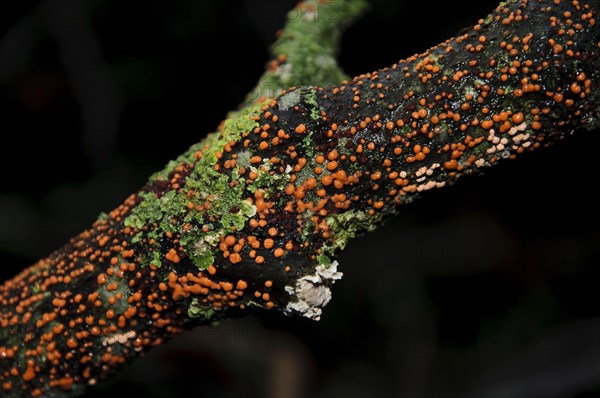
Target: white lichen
[
  {"x": 288, "y": 100},
  {"x": 207, "y": 243},
  {"x": 311, "y": 292},
  {"x": 243, "y": 159}
]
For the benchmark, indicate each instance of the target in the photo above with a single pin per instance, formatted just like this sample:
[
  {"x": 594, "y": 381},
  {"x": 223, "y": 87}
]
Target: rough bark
[{"x": 251, "y": 217}]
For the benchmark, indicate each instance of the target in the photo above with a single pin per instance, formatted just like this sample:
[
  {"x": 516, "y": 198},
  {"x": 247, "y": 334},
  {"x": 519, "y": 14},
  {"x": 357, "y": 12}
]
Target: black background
[{"x": 484, "y": 289}]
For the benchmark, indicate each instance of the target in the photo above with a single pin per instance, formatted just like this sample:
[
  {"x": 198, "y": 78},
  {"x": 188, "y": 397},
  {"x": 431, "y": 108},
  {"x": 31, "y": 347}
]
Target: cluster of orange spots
[
  {"x": 231, "y": 248},
  {"x": 427, "y": 69},
  {"x": 172, "y": 256},
  {"x": 210, "y": 293},
  {"x": 419, "y": 153},
  {"x": 324, "y": 191},
  {"x": 265, "y": 296},
  {"x": 261, "y": 204},
  {"x": 301, "y": 128},
  {"x": 459, "y": 75},
  {"x": 71, "y": 324},
  {"x": 416, "y": 124}
]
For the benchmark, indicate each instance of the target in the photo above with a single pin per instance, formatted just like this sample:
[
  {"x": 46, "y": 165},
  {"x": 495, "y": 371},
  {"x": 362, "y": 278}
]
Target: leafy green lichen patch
[
  {"x": 197, "y": 310},
  {"x": 151, "y": 209},
  {"x": 274, "y": 182},
  {"x": 310, "y": 97},
  {"x": 227, "y": 210},
  {"x": 348, "y": 225}
]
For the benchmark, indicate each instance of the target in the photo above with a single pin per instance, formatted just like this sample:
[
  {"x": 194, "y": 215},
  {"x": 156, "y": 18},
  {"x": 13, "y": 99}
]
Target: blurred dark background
[{"x": 485, "y": 289}]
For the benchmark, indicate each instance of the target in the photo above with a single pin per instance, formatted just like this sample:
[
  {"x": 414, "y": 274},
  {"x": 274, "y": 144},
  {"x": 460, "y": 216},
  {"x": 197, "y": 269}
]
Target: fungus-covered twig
[{"x": 252, "y": 216}]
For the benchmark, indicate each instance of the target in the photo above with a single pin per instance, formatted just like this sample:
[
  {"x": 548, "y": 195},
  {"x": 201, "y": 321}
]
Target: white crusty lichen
[
  {"x": 288, "y": 100},
  {"x": 311, "y": 292}
]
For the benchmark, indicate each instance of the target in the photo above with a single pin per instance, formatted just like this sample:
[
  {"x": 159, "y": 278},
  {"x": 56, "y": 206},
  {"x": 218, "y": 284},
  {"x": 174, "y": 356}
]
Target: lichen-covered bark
[{"x": 253, "y": 215}]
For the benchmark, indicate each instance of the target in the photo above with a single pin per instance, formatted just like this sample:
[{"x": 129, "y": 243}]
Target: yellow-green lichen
[
  {"x": 196, "y": 310},
  {"x": 310, "y": 97},
  {"x": 348, "y": 225},
  {"x": 229, "y": 210},
  {"x": 311, "y": 38},
  {"x": 306, "y": 50},
  {"x": 265, "y": 179}
]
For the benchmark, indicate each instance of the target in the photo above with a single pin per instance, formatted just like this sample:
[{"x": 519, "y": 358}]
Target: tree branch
[{"x": 252, "y": 216}]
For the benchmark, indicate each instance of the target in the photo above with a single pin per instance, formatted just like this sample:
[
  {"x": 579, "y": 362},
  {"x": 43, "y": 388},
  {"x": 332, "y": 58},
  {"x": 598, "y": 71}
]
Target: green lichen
[
  {"x": 102, "y": 218},
  {"x": 308, "y": 144},
  {"x": 243, "y": 159},
  {"x": 311, "y": 39},
  {"x": 323, "y": 259},
  {"x": 154, "y": 215},
  {"x": 308, "y": 226},
  {"x": 235, "y": 123},
  {"x": 310, "y": 97},
  {"x": 197, "y": 311},
  {"x": 156, "y": 261},
  {"x": 271, "y": 182},
  {"x": 241, "y": 121},
  {"x": 348, "y": 225},
  {"x": 309, "y": 45},
  {"x": 163, "y": 211},
  {"x": 147, "y": 212},
  {"x": 228, "y": 203},
  {"x": 503, "y": 4},
  {"x": 203, "y": 260}
]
